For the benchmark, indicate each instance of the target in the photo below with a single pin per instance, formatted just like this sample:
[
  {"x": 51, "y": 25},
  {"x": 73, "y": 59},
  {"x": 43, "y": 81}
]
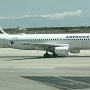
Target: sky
[{"x": 44, "y": 13}]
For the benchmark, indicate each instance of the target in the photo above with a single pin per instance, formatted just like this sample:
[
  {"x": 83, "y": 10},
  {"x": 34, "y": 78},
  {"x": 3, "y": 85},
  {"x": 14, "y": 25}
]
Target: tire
[{"x": 46, "y": 55}]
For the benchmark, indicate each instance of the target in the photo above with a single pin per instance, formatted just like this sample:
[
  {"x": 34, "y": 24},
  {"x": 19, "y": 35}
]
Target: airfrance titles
[{"x": 77, "y": 36}]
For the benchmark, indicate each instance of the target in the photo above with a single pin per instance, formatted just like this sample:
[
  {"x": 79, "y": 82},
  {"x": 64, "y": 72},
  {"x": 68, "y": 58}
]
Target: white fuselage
[{"x": 75, "y": 41}]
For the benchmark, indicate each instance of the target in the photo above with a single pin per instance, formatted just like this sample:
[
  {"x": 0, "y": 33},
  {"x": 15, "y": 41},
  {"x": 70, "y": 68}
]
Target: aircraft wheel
[
  {"x": 46, "y": 55},
  {"x": 55, "y": 55}
]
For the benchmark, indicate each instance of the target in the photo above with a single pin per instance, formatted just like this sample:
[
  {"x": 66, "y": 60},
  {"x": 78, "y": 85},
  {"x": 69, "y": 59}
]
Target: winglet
[{"x": 2, "y": 31}]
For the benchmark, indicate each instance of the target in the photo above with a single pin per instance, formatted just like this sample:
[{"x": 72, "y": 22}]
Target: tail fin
[{"x": 2, "y": 31}]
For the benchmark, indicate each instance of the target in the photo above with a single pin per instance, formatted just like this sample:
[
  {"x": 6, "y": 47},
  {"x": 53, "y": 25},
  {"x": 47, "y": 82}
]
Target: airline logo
[{"x": 77, "y": 36}]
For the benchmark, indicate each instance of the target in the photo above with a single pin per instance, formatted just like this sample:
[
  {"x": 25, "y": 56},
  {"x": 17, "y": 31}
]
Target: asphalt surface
[{"x": 28, "y": 70}]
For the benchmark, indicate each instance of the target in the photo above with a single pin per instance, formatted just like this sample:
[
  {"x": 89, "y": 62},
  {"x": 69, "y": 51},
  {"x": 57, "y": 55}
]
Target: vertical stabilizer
[{"x": 2, "y": 31}]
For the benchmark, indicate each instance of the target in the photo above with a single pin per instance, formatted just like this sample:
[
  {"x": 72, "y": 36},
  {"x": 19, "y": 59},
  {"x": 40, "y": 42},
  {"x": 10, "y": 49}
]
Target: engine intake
[{"x": 63, "y": 51}]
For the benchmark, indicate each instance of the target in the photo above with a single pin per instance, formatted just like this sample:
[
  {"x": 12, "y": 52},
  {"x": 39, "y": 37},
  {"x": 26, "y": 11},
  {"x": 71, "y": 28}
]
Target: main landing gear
[
  {"x": 46, "y": 55},
  {"x": 54, "y": 54}
]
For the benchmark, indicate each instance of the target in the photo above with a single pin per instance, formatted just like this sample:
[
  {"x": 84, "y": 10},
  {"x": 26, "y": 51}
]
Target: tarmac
[{"x": 29, "y": 70}]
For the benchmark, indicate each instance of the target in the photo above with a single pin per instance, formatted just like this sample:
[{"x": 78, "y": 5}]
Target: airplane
[{"x": 57, "y": 44}]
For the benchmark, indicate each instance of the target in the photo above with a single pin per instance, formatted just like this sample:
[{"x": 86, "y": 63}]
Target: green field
[{"x": 50, "y": 30}]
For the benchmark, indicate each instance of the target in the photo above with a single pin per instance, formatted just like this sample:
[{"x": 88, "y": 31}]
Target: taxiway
[{"x": 28, "y": 70}]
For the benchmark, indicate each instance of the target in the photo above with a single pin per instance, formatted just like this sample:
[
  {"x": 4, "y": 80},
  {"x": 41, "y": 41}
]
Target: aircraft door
[
  {"x": 61, "y": 40},
  {"x": 6, "y": 40}
]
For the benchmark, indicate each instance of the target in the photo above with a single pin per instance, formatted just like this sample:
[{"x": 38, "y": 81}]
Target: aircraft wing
[{"x": 44, "y": 44}]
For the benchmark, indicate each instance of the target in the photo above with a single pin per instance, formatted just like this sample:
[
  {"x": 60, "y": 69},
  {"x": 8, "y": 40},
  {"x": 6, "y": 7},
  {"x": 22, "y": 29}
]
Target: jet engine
[
  {"x": 75, "y": 51},
  {"x": 63, "y": 51}
]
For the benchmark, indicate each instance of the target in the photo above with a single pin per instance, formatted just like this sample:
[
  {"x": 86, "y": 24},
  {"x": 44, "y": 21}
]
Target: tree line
[{"x": 50, "y": 30}]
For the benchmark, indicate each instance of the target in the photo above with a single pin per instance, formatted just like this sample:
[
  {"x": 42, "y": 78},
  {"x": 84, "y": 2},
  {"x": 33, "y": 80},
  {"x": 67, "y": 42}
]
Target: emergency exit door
[{"x": 6, "y": 40}]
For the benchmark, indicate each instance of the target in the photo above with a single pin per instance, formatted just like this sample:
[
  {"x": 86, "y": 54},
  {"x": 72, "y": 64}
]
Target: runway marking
[
  {"x": 57, "y": 86},
  {"x": 61, "y": 83},
  {"x": 73, "y": 81},
  {"x": 40, "y": 80}
]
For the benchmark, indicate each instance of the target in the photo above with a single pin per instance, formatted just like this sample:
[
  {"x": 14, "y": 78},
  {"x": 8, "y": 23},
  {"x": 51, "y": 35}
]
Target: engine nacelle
[
  {"x": 63, "y": 51},
  {"x": 75, "y": 51}
]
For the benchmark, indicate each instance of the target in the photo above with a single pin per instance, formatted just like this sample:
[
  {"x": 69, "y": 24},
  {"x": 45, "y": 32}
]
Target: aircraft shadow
[
  {"x": 10, "y": 58},
  {"x": 21, "y": 57},
  {"x": 77, "y": 56}
]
